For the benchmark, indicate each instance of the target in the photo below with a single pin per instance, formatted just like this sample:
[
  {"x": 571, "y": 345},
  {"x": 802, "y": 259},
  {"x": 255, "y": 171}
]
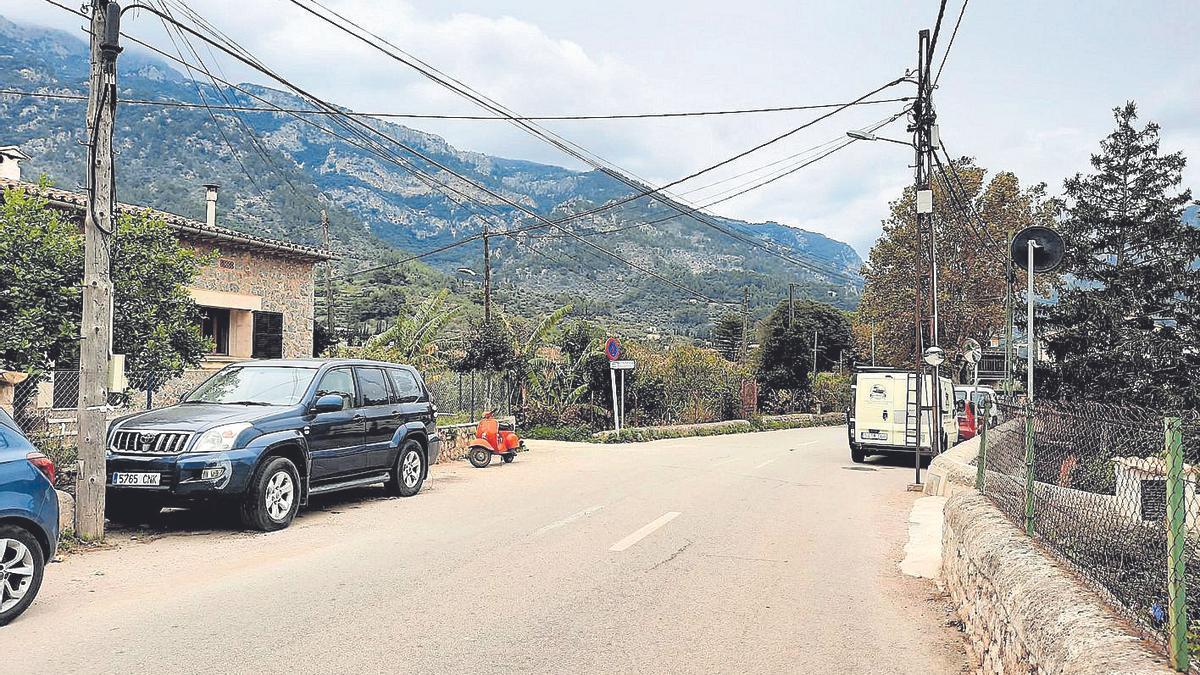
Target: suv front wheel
[{"x": 274, "y": 496}]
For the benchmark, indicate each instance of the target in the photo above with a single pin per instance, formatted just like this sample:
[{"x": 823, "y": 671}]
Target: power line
[
  {"x": 841, "y": 143},
  {"x": 937, "y": 28},
  {"x": 450, "y": 83},
  {"x": 433, "y": 116},
  {"x": 260, "y": 150},
  {"x": 973, "y": 220},
  {"x": 950, "y": 44},
  {"x": 254, "y": 63}
]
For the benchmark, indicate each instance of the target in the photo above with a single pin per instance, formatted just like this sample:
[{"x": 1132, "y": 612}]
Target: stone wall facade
[
  {"x": 1021, "y": 612},
  {"x": 284, "y": 283}
]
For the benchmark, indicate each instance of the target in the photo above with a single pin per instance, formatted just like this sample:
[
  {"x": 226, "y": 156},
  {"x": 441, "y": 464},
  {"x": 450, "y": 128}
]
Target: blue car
[{"x": 28, "y": 519}]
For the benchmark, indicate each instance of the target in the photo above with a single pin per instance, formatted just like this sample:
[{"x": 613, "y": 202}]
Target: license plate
[
  {"x": 144, "y": 479},
  {"x": 874, "y": 435}
]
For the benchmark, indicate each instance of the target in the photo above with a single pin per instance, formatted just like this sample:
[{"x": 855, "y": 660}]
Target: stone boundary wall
[
  {"x": 830, "y": 419},
  {"x": 1022, "y": 613}
]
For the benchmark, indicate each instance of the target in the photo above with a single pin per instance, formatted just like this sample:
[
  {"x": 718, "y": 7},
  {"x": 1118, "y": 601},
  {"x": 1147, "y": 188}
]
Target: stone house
[{"x": 256, "y": 299}]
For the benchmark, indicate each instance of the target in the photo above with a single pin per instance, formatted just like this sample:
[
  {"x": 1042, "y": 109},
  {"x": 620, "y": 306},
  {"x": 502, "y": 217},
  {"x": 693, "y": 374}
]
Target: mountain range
[{"x": 278, "y": 171}]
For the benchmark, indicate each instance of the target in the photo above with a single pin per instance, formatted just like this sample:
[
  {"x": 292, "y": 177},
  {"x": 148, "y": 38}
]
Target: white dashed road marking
[
  {"x": 644, "y": 531},
  {"x": 568, "y": 520}
]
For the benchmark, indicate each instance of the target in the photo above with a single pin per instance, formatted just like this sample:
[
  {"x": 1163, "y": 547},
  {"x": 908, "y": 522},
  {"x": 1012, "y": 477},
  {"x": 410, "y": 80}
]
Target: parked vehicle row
[{"x": 260, "y": 437}]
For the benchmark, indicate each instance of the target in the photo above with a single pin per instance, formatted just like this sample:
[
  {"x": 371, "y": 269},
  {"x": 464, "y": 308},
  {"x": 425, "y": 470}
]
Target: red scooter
[{"x": 490, "y": 439}]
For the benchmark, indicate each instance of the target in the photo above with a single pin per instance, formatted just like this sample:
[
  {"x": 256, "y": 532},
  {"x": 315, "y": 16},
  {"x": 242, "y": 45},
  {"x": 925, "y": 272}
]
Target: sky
[{"x": 1028, "y": 86}]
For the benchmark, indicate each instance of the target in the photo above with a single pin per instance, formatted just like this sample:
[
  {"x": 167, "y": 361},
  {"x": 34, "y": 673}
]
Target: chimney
[
  {"x": 10, "y": 162},
  {"x": 210, "y": 198}
]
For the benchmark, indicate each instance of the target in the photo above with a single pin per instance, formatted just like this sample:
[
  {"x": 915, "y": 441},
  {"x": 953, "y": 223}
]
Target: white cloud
[{"x": 1025, "y": 93}]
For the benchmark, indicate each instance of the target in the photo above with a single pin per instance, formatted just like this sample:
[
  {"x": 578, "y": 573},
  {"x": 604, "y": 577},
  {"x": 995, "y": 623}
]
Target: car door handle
[{"x": 359, "y": 417}]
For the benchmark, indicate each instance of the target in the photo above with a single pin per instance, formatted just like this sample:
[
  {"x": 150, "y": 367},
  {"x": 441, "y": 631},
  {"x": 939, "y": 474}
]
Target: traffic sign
[
  {"x": 612, "y": 349},
  {"x": 621, "y": 365}
]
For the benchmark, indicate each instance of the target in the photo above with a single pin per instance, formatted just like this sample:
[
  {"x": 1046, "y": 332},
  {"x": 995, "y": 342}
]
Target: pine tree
[
  {"x": 1124, "y": 327},
  {"x": 727, "y": 336}
]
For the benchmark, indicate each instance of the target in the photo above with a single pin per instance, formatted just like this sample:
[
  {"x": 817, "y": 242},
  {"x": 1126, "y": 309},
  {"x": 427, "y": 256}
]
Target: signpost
[{"x": 612, "y": 349}]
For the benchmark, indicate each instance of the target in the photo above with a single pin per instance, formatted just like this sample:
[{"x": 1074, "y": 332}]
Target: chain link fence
[
  {"x": 1111, "y": 490},
  {"x": 464, "y": 397}
]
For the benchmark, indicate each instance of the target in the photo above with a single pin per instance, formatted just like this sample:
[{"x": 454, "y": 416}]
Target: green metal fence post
[
  {"x": 981, "y": 460},
  {"x": 1029, "y": 470},
  {"x": 1176, "y": 533}
]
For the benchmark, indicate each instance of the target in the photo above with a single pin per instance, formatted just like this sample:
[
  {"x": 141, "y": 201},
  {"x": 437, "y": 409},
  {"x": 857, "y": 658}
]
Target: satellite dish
[
  {"x": 1048, "y": 248},
  {"x": 971, "y": 351}
]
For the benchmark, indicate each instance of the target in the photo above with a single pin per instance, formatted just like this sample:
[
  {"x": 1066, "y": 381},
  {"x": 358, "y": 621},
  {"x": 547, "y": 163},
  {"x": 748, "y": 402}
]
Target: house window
[
  {"x": 214, "y": 325},
  {"x": 268, "y": 335}
]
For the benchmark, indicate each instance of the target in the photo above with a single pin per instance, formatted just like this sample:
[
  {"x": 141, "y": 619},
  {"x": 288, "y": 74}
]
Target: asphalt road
[{"x": 750, "y": 553}]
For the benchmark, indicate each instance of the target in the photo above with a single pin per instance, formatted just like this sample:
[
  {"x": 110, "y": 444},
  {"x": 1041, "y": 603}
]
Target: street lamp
[{"x": 859, "y": 135}]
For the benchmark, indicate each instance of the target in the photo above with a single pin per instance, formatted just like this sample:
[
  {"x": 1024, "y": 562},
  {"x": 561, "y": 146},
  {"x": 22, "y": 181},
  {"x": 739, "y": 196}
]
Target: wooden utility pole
[
  {"x": 814, "y": 351},
  {"x": 487, "y": 276},
  {"x": 330, "y": 324},
  {"x": 791, "y": 304},
  {"x": 95, "y": 345},
  {"x": 745, "y": 324}
]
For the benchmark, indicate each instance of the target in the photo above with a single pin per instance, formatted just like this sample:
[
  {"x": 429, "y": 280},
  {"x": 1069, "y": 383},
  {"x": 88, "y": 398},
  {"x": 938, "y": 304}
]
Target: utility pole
[
  {"x": 791, "y": 304},
  {"x": 745, "y": 324},
  {"x": 487, "y": 276},
  {"x": 814, "y": 351},
  {"x": 1010, "y": 279},
  {"x": 330, "y": 328},
  {"x": 95, "y": 344},
  {"x": 922, "y": 129}
]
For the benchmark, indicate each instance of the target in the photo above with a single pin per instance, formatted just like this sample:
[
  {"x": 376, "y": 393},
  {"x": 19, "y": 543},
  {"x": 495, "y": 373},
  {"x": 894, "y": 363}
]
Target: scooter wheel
[
  {"x": 480, "y": 457},
  {"x": 509, "y": 457}
]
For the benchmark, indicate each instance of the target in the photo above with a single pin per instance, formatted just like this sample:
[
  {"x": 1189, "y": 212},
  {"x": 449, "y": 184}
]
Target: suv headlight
[{"x": 220, "y": 439}]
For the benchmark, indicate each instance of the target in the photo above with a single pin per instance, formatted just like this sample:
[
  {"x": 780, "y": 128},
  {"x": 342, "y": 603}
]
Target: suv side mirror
[{"x": 328, "y": 403}]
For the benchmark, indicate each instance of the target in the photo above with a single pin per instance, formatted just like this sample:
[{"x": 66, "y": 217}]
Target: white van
[{"x": 883, "y": 412}]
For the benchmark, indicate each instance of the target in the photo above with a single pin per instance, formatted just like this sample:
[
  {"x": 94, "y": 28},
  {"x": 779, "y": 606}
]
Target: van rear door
[{"x": 879, "y": 408}]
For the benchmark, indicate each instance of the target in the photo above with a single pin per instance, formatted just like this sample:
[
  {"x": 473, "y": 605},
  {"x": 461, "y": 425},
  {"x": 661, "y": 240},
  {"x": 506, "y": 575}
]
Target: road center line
[
  {"x": 765, "y": 463},
  {"x": 644, "y": 531},
  {"x": 568, "y": 520}
]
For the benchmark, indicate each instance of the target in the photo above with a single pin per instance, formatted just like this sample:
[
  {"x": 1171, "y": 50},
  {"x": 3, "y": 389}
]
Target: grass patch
[{"x": 643, "y": 434}]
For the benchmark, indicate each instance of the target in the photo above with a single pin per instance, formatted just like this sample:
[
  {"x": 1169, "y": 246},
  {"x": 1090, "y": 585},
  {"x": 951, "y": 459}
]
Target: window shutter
[{"x": 268, "y": 335}]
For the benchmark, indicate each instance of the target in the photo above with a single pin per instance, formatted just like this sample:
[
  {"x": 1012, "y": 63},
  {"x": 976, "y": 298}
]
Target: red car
[{"x": 967, "y": 422}]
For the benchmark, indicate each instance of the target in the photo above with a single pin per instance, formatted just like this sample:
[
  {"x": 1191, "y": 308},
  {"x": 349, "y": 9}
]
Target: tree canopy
[
  {"x": 1125, "y": 324},
  {"x": 971, "y": 262},
  {"x": 785, "y": 353},
  {"x": 155, "y": 322}
]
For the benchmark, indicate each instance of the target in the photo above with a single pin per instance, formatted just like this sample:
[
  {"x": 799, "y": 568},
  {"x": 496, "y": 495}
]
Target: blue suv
[
  {"x": 264, "y": 436},
  {"x": 28, "y": 519}
]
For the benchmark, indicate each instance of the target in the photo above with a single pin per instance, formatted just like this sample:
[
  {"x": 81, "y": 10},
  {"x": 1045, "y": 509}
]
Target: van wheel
[
  {"x": 406, "y": 477},
  {"x": 857, "y": 454},
  {"x": 274, "y": 496},
  {"x": 22, "y": 565}
]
